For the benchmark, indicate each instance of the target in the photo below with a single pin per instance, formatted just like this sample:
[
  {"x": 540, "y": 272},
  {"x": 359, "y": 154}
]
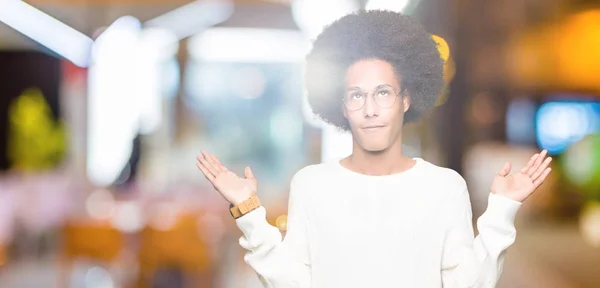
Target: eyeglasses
[{"x": 384, "y": 96}]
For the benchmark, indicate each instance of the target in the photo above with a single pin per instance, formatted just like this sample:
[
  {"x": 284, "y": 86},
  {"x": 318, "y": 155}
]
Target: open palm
[
  {"x": 233, "y": 188},
  {"x": 519, "y": 186}
]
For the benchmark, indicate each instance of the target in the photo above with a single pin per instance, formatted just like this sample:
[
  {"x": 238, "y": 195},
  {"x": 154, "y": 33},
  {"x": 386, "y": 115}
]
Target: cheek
[
  {"x": 352, "y": 116},
  {"x": 393, "y": 114},
  {"x": 353, "y": 119}
]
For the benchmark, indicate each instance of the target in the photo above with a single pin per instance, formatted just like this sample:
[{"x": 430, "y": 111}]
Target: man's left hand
[{"x": 519, "y": 186}]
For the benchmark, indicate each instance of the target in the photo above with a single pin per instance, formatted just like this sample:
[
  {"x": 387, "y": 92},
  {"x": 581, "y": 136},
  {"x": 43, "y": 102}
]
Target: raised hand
[
  {"x": 519, "y": 186},
  {"x": 233, "y": 188}
]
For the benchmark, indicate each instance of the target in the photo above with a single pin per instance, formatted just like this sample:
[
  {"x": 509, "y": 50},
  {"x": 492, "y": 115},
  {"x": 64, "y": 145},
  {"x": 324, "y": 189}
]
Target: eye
[
  {"x": 355, "y": 95},
  {"x": 383, "y": 93}
]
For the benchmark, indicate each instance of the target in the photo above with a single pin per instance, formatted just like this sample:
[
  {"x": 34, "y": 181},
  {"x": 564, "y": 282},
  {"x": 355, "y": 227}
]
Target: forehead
[{"x": 370, "y": 74}]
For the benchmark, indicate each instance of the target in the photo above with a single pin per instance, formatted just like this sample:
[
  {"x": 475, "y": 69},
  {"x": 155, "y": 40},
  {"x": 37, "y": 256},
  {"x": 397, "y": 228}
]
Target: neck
[{"x": 384, "y": 162}]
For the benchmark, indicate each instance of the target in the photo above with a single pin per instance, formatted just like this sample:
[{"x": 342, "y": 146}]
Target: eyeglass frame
[{"x": 366, "y": 94}]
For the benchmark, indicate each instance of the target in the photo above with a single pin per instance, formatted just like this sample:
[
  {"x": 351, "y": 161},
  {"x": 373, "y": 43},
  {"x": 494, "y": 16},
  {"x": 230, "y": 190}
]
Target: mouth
[{"x": 372, "y": 127}]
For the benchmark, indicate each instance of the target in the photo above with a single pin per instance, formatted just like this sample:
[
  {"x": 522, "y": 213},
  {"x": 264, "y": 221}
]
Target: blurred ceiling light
[
  {"x": 113, "y": 116},
  {"x": 396, "y": 6},
  {"x": 158, "y": 43},
  {"x": 312, "y": 16},
  {"x": 125, "y": 29},
  {"x": 249, "y": 45},
  {"x": 187, "y": 20},
  {"x": 156, "y": 46},
  {"x": 126, "y": 86},
  {"x": 49, "y": 32}
]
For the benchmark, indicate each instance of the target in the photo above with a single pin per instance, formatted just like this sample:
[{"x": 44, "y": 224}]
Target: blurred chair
[
  {"x": 178, "y": 249},
  {"x": 96, "y": 241}
]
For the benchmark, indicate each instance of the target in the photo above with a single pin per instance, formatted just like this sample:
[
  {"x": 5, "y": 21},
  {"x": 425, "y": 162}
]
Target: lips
[{"x": 373, "y": 127}]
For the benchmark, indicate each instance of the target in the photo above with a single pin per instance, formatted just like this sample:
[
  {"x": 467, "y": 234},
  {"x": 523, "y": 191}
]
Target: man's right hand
[{"x": 233, "y": 188}]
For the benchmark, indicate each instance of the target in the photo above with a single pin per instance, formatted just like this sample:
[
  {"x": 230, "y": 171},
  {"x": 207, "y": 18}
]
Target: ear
[
  {"x": 406, "y": 102},
  {"x": 343, "y": 107}
]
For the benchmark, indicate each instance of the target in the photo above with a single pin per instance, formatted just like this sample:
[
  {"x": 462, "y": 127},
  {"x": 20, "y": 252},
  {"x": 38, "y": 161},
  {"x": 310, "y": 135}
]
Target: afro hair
[{"x": 384, "y": 35}]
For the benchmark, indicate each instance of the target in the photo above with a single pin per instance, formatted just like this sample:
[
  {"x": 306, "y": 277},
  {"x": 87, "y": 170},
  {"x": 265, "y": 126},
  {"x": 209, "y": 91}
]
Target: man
[{"x": 377, "y": 218}]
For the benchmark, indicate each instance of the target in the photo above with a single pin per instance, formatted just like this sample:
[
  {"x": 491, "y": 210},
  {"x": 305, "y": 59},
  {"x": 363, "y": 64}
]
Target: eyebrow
[{"x": 355, "y": 88}]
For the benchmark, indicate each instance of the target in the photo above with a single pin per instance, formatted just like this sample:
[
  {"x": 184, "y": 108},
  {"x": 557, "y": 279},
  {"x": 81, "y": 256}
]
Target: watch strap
[{"x": 245, "y": 207}]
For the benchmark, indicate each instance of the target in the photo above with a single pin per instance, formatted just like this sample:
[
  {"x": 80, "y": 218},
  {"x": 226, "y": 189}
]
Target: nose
[{"x": 370, "y": 109}]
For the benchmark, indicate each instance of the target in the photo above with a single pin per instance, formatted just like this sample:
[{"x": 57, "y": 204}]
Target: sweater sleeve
[
  {"x": 278, "y": 263},
  {"x": 477, "y": 262}
]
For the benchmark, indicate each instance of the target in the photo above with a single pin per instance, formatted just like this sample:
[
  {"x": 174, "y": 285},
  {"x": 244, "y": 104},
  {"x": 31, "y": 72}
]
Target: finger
[
  {"x": 542, "y": 177},
  {"x": 213, "y": 165},
  {"x": 505, "y": 169},
  {"x": 207, "y": 165},
  {"x": 541, "y": 169},
  {"x": 248, "y": 173},
  {"x": 529, "y": 163},
  {"x": 209, "y": 158},
  {"x": 218, "y": 163},
  {"x": 537, "y": 163},
  {"x": 210, "y": 177}
]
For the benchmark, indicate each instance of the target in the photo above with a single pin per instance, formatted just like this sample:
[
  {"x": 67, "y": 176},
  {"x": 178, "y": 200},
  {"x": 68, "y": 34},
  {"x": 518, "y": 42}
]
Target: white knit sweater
[{"x": 411, "y": 229}]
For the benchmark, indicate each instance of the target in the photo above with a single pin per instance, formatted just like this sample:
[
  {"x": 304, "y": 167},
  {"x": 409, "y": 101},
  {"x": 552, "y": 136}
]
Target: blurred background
[{"x": 105, "y": 104}]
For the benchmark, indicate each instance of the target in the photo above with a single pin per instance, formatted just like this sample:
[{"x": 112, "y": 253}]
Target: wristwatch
[{"x": 245, "y": 207}]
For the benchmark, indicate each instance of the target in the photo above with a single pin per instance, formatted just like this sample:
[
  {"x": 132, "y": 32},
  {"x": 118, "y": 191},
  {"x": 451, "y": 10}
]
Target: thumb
[
  {"x": 505, "y": 170},
  {"x": 248, "y": 173}
]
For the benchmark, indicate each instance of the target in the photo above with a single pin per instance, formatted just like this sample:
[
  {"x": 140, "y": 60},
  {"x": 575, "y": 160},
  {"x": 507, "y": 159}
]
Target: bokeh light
[
  {"x": 520, "y": 121},
  {"x": 128, "y": 217},
  {"x": 582, "y": 165},
  {"x": 281, "y": 222},
  {"x": 100, "y": 204},
  {"x": 589, "y": 223},
  {"x": 562, "y": 123}
]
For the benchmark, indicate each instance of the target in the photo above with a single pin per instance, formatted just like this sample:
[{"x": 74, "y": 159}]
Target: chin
[
  {"x": 374, "y": 142},
  {"x": 375, "y": 147}
]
